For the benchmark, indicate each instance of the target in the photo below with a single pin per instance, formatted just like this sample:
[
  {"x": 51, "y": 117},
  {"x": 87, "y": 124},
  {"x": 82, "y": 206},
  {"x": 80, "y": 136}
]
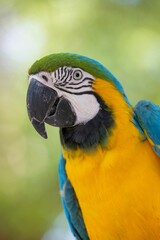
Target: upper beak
[
  {"x": 40, "y": 99},
  {"x": 44, "y": 105}
]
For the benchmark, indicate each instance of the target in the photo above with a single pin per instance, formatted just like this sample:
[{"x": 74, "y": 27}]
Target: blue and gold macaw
[{"x": 109, "y": 171}]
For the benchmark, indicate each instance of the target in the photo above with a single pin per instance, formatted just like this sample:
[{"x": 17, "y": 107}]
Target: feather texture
[
  {"x": 71, "y": 205},
  {"x": 148, "y": 116}
]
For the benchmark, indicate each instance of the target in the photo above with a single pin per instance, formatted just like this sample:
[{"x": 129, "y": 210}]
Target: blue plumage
[
  {"x": 148, "y": 116},
  {"x": 71, "y": 205}
]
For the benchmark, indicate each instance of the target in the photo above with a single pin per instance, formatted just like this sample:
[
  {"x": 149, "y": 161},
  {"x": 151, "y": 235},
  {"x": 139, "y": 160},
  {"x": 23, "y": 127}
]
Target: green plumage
[{"x": 52, "y": 62}]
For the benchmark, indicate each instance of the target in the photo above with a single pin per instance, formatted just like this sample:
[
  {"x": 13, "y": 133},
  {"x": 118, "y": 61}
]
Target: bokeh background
[{"x": 122, "y": 34}]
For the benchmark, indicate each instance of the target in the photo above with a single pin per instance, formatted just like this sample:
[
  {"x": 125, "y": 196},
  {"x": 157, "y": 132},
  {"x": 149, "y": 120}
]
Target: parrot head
[{"x": 76, "y": 94}]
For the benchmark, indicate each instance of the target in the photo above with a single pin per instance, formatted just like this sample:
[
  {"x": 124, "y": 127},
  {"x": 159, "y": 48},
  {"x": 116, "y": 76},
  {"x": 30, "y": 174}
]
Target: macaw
[{"x": 109, "y": 170}]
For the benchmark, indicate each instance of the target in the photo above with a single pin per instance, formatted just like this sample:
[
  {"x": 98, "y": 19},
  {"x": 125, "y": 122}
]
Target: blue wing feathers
[
  {"x": 71, "y": 205},
  {"x": 148, "y": 116}
]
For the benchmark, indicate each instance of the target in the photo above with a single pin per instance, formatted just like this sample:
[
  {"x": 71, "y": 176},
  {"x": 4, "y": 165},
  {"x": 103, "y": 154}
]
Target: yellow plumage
[{"x": 118, "y": 187}]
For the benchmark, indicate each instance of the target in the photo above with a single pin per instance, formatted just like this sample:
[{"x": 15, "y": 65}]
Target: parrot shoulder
[
  {"x": 148, "y": 116},
  {"x": 71, "y": 205}
]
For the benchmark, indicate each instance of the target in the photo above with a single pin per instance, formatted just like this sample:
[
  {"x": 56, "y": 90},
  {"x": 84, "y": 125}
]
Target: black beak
[
  {"x": 40, "y": 99},
  {"x": 44, "y": 105}
]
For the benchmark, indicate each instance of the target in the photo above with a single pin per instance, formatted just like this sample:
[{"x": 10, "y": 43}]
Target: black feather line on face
[{"x": 87, "y": 136}]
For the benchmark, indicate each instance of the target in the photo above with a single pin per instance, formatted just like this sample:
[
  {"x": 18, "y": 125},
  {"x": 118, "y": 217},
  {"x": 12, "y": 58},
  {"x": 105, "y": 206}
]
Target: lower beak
[{"x": 44, "y": 105}]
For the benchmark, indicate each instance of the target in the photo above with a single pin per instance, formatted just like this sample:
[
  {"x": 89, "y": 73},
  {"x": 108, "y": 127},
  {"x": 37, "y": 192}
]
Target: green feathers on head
[{"x": 52, "y": 62}]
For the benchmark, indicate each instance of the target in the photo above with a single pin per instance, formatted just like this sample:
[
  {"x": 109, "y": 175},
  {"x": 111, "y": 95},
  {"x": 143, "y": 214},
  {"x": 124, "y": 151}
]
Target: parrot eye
[{"x": 77, "y": 75}]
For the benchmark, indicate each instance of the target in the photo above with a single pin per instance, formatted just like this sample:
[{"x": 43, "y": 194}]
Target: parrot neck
[
  {"x": 126, "y": 127},
  {"x": 113, "y": 126}
]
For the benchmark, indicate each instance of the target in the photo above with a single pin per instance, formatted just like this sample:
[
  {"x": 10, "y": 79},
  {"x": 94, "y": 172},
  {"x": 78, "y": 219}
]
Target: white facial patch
[
  {"x": 85, "y": 106},
  {"x": 75, "y": 85}
]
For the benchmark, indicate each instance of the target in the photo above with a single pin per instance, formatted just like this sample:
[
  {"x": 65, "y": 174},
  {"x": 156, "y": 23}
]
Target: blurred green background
[{"x": 122, "y": 34}]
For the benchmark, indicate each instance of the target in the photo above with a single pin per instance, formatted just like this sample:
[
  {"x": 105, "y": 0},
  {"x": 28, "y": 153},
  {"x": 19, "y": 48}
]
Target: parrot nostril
[{"x": 45, "y": 78}]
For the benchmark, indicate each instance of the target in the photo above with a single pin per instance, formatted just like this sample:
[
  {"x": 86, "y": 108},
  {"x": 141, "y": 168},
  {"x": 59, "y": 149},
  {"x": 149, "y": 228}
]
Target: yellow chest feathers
[
  {"x": 118, "y": 192},
  {"x": 118, "y": 187}
]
